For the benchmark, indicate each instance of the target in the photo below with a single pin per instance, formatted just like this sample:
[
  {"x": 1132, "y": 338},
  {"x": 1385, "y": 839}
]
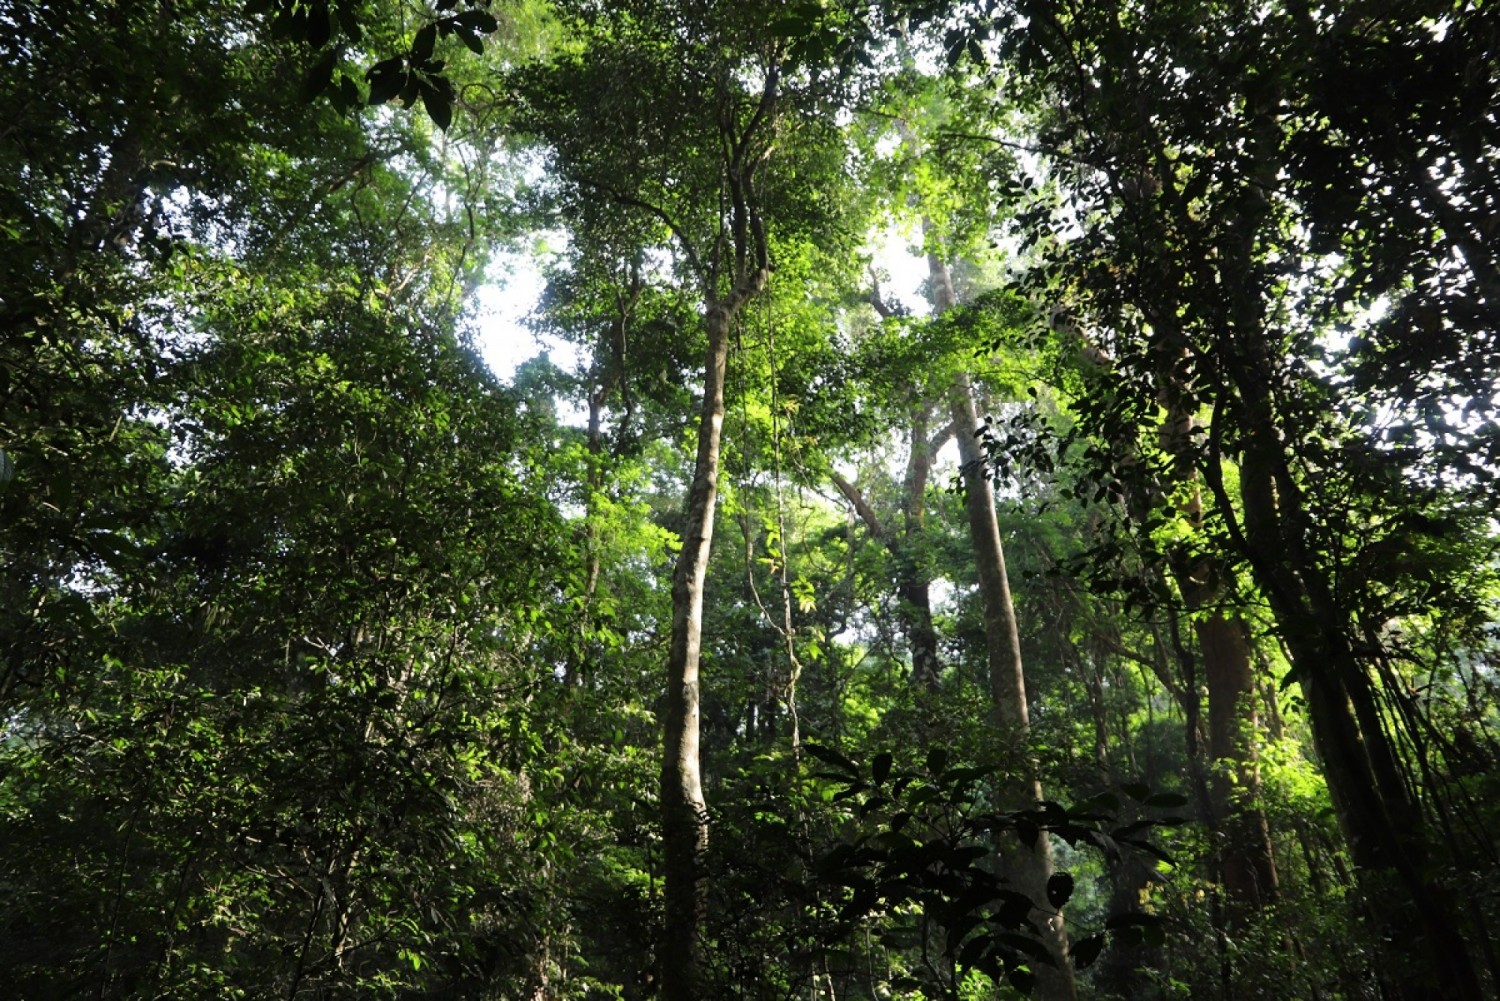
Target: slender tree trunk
[
  {"x": 684, "y": 811},
  {"x": 1387, "y": 835},
  {"x": 1385, "y": 828},
  {"x": 1011, "y": 718},
  {"x": 609, "y": 371},
  {"x": 1032, "y": 867},
  {"x": 1245, "y": 854},
  {"x": 914, "y": 586},
  {"x": 1002, "y": 636}
]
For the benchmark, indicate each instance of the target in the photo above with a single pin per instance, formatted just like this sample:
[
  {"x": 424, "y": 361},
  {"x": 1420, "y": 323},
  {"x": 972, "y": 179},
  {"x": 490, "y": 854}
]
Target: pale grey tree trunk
[
  {"x": 684, "y": 811},
  {"x": 1030, "y": 866}
]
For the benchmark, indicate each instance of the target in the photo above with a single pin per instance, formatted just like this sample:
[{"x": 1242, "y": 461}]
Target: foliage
[
  {"x": 924, "y": 853},
  {"x": 331, "y": 664}
]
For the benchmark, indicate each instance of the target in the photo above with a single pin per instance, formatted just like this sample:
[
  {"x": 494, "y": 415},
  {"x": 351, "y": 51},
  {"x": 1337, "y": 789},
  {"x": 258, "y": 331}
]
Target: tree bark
[
  {"x": 1246, "y": 859},
  {"x": 1002, "y": 636},
  {"x": 1031, "y": 866},
  {"x": 913, "y": 586},
  {"x": 684, "y": 810},
  {"x": 1384, "y": 827},
  {"x": 744, "y": 260}
]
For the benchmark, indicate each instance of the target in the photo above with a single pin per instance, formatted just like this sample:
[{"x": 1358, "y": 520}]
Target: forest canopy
[{"x": 1008, "y": 510}]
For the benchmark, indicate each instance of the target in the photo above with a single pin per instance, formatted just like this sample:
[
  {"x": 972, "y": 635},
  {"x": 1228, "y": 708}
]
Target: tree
[
  {"x": 1171, "y": 127},
  {"x": 892, "y": 358},
  {"x": 699, "y": 120},
  {"x": 278, "y": 558},
  {"x": 331, "y": 665}
]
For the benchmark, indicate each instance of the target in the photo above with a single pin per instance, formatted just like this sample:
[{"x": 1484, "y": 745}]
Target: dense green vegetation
[{"x": 1114, "y": 622}]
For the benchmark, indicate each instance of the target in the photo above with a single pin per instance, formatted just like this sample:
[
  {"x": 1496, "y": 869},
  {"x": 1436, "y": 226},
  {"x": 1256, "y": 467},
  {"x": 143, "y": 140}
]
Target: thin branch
[
  {"x": 677, "y": 231},
  {"x": 861, "y": 507},
  {"x": 877, "y": 300},
  {"x": 937, "y": 441}
]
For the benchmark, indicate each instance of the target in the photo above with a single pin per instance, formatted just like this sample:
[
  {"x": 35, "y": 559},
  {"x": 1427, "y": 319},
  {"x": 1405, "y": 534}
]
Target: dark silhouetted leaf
[
  {"x": 937, "y": 760},
  {"x": 387, "y": 78},
  {"x": 422, "y": 45},
  {"x": 439, "y": 106},
  {"x": 1059, "y": 889},
  {"x": 1086, "y": 950},
  {"x": 319, "y": 75},
  {"x": 829, "y": 756},
  {"x": 1168, "y": 800}
]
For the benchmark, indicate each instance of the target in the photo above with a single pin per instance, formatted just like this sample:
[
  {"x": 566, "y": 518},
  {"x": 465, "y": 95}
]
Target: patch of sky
[{"x": 510, "y": 295}]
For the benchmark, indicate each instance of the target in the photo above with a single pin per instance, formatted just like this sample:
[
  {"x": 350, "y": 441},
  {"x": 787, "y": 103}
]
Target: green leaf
[
  {"x": 973, "y": 950},
  {"x": 1014, "y": 912},
  {"x": 880, "y": 768}
]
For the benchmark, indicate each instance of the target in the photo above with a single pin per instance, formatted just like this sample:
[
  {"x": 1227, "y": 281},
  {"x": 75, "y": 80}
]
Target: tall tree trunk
[
  {"x": 1031, "y": 866},
  {"x": 1245, "y": 855},
  {"x": 684, "y": 811},
  {"x": 913, "y": 585},
  {"x": 608, "y": 371},
  {"x": 1385, "y": 828},
  {"x": 1384, "y": 825},
  {"x": 1002, "y": 636},
  {"x": 1246, "y": 859}
]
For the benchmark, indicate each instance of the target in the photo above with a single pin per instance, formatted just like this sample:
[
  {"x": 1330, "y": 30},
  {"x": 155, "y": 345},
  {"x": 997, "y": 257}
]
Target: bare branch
[{"x": 861, "y": 507}]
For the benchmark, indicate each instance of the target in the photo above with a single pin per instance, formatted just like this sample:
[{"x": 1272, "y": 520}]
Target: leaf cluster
[{"x": 927, "y": 841}]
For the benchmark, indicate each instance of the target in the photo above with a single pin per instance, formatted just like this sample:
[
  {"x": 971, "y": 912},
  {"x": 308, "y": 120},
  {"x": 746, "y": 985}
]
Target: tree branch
[
  {"x": 861, "y": 507},
  {"x": 937, "y": 441},
  {"x": 624, "y": 199}
]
